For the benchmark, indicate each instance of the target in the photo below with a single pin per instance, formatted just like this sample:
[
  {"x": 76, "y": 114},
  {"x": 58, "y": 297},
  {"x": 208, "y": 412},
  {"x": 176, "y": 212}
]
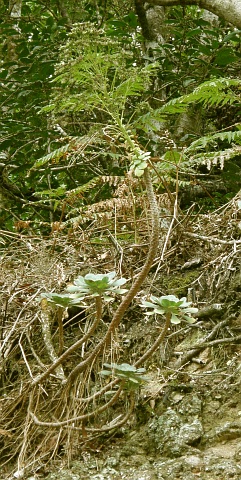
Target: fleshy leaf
[
  {"x": 175, "y": 319},
  {"x": 63, "y": 300},
  {"x": 170, "y": 304}
]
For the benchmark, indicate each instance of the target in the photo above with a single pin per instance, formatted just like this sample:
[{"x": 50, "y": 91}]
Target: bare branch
[{"x": 229, "y": 10}]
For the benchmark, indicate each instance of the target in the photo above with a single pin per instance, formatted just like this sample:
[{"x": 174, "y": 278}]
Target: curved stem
[
  {"x": 100, "y": 392},
  {"x": 154, "y": 242},
  {"x": 156, "y": 344},
  {"x": 117, "y": 424},
  {"x": 65, "y": 355},
  {"x": 81, "y": 417}
]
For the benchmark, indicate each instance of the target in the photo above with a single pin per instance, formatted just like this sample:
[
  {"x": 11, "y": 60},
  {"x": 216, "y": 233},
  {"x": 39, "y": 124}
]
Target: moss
[{"x": 178, "y": 284}]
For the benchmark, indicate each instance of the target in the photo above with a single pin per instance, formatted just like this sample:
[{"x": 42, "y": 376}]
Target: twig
[
  {"x": 196, "y": 349},
  {"x": 156, "y": 344},
  {"x": 66, "y": 354},
  {"x": 213, "y": 239},
  {"x": 17, "y": 321},
  {"x": 25, "y": 359},
  {"x": 80, "y": 417},
  {"x": 112, "y": 425},
  {"x": 46, "y": 331},
  {"x": 219, "y": 340},
  {"x": 100, "y": 392}
]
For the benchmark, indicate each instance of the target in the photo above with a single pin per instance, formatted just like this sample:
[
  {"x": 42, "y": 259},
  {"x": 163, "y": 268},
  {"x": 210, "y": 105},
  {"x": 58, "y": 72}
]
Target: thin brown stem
[
  {"x": 61, "y": 330},
  {"x": 121, "y": 422},
  {"x": 156, "y": 344},
  {"x": 80, "y": 417},
  {"x": 154, "y": 242},
  {"x": 65, "y": 355}
]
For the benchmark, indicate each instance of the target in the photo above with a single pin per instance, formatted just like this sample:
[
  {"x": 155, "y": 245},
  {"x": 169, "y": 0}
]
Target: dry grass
[{"x": 42, "y": 420}]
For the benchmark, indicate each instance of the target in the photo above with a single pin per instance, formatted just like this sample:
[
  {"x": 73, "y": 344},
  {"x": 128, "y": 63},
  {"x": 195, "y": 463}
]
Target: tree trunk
[
  {"x": 15, "y": 8},
  {"x": 229, "y": 10}
]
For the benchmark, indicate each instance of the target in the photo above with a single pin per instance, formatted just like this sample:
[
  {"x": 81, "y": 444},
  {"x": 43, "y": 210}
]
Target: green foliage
[
  {"x": 63, "y": 300},
  {"x": 217, "y": 91},
  {"x": 91, "y": 285},
  {"x": 132, "y": 376},
  {"x": 100, "y": 75},
  {"x": 53, "y": 157},
  {"x": 88, "y": 186},
  {"x": 78, "y": 101},
  {"x": 98, "y": 285},
  {"x": 139, "y": 162},
  {"x": 203, "y": 142},
  {"x": 213, "y": 92},
  {"x": 169, "y": 304},
  {"x": 194, "y": 50},
  {"x": 98, "y": 80},
  {"x": 25, "y": 73},
  {"x": 208, "y": 149},
  {"x": 28, "y": 55}
]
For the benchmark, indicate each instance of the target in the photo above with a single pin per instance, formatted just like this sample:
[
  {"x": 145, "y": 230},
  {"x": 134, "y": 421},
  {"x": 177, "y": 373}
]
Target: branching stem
[
  {"x": 156, "y": 344},
  {"x": 154, "y": 242},
  {"x": 65, "y": 355}
]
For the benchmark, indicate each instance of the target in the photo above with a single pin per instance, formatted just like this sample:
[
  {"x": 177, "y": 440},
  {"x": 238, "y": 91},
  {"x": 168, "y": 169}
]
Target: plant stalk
[{"x": 153, "y": 248}]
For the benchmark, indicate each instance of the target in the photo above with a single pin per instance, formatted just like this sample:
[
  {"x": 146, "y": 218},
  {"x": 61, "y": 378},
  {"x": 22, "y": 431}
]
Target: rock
[
  {"x": 172, "y": 435},
  {"x": 190, "y": 433}
]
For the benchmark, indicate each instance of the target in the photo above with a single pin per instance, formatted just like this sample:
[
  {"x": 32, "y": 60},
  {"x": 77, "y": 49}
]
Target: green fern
[
  {"x": 216, "y": 92},
  {"x": 96, "y": 76},
  {"x": 213, "y": 158},
  {"x": 213, "y": 92},
  {"x": 52, "y": 193},
  {"x": 75, "y": 192},
  {"x": 95, "y": 72},
  {"x": 75, "y": 144},
  {"x": 204, "y": 142},
  {"x": 101, "y": 81},
  {"x": 52, "y": 157}
]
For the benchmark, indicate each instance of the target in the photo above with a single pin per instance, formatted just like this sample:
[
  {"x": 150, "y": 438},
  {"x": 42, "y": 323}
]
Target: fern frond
[
  {"x": 136, "y": 82},
  {"x": 52, "y": 193},
  {"x": 99, "y": 77},
  {"x": 214, "y": 158},
  {"x": 213, "y": 92},
  {"x": 128, "y": 88},
  {"x": 203, "y": 142},
  {"x": 75, "y": 144},
  {"x": 76, "y": 192},
  {"x": 61, "y": 191},
  {"x": 52, "y": 157},
  {"x": 150, "y": 121}
]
